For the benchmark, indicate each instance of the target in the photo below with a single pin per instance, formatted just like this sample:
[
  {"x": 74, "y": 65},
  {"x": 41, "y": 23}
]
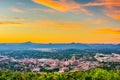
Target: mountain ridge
[{"x": 29, "y": 45}]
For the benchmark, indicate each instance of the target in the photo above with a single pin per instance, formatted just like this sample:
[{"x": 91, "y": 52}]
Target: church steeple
[{"x": 73, "y": 58}]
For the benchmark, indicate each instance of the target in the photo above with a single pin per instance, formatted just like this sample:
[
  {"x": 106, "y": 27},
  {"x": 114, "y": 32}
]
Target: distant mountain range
[{"x": 30, "y": 45}]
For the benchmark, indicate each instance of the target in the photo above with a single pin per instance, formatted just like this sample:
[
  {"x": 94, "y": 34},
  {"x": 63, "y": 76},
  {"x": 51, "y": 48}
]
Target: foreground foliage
[{"x": 93, "y": 74}]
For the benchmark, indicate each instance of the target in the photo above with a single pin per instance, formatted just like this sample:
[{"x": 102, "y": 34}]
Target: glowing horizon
[{"x": 60, "y": 21}]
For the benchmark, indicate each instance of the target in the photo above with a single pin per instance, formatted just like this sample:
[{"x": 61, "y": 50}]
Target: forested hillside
[{"x": 93, "y": 74}]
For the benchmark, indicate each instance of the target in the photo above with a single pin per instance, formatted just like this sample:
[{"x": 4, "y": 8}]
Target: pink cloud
[{"x": 17, "y": 10}]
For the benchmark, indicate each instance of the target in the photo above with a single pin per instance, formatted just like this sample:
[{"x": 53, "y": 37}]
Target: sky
[{"x": 60, "y": 21}]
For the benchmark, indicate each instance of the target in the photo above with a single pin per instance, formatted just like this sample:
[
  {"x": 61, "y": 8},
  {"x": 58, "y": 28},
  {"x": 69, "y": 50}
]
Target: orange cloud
[
  {"x": 15, "y": 24},
  {"x": 66, "y": 25},
  {"x": 113, "y": 3},
  {"x": 112, "y": 13},
  {"x": 13, "y": 19},
  {"x": 107, "y": 3},
  {"x": 111, "y": 7},
  {"x": 63, "y": 5},
  {"x": 44, "y": 23},
  {"x": 113, "y": 10},
  {"x": 61, "y": 25},
  {"x": 114, "y": 16},
  {"x": 108, "y": 31},
  {"x": 9, "y": 23},
  {"x": 17, "y": 10}
]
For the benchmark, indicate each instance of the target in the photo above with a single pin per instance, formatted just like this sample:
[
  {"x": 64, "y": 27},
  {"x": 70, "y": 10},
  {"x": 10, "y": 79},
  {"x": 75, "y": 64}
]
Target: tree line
[{"x": 92, "y": 74}]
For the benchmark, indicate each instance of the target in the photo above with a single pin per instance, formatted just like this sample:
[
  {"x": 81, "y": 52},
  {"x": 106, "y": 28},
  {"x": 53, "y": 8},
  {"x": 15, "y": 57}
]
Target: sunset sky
[{"x": 60, "y": 21}]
